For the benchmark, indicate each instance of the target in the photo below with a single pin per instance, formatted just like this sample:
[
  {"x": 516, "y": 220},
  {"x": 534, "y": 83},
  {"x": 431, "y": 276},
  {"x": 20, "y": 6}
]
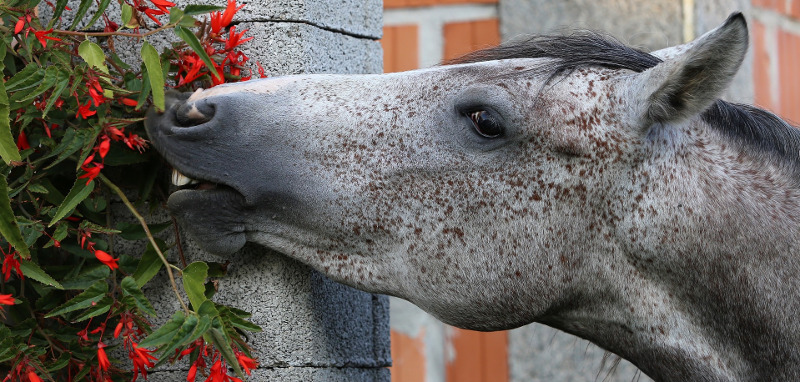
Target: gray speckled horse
[{"x": 571, "y": 181}]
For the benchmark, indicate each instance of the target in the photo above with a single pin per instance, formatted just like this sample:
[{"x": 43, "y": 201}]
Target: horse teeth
[{"x": 179, "y": 179}]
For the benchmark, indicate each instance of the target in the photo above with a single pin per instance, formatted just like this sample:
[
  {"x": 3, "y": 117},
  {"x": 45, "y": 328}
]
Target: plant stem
[
  {"x": 146, "y": 229},
  {"x": 106, "y": 34}
]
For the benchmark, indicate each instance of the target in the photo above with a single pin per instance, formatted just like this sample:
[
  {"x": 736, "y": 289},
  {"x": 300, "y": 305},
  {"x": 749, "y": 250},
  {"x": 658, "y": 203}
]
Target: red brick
[
  {"x": 464, "y": 37},
  {"x": 400, "y": 48},
  {"x": 761, "y": 64},
  {"x": 789, "y": 56},
  {"x": 408, "y": 357},
  {"x": 479, "y": 357}
]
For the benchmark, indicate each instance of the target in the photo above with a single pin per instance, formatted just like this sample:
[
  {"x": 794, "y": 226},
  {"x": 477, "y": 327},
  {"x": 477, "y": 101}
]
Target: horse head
[{"x": 568, "y": 180}]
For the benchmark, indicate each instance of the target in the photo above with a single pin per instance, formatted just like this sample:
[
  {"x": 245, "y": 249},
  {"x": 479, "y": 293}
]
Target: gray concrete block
[
  {"x": 293, "y": 48},
  {"x": 648, "y": 24},
  {"x": 293, "y": 374},
  {"x": 362, "y": 18},
  {"x": 538, "y": 353}
]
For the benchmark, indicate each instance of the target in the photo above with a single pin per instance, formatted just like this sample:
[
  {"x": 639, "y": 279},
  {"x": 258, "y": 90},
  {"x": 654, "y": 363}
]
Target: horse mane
[{"x": 754, "y": 127}]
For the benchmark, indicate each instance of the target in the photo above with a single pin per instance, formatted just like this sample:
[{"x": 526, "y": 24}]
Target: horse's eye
[{"x": 485, "y": 124}]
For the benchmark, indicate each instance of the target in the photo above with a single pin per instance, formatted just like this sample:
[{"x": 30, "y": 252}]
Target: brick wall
[{"x": 775, "y": 28}]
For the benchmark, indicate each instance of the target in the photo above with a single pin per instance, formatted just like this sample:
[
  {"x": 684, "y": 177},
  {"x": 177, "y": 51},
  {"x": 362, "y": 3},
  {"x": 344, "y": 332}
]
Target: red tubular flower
[
  {"x": 128, "y": 102},
  {"x": 102, "y": 358},
  {"x": 95, "y": 91},
  {"x": 235, "y": 39},
  {"x": 10, "y": 263},
  {"x": 32, "y": 377},
  {"x": 246, "y": 362},
  {"x": 91, "y": 172},
  {"x": 163, "y": 5},
  {"x": 20, "y": 24},
  {"x": 106, "y": 259},
  {"x": 84, "y": 111},
  {"x": 142, "y": 359},
  {"x": 22, "y": 141},
  {"x": 6, "y": 299},
  {"x": 103, "y": 147},
  {"x": 43, "y": 37},
  {"x": 221, "y": 20},
  {"x": 135, "y": 142}
]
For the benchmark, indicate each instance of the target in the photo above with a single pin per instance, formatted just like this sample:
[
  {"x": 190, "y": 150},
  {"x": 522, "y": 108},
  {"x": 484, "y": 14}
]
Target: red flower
[
  {"x": 102, "y": 359},
  {"x": 84, "y": 112},
  {"x": 128, "y": 102},
  {"x": 142, "y": 359},
  {"x": 95, "y": 91},
  {"x": 163, "y": 5},
  {"x": 261, "y": 72},
  {"x": 235, "y": 39},
  {"x": 22, "y": 141},
  {"x": 218, "y": 373},
  {"x": 43, "y": 37},
  {"x": 32, "y": 377},
  {"x": 10, "y": 262},
  {"x": 20, "y": 24},
  {"x": 221, "y": 20},
  {"x": 6, "y": 299},
  {"x": 103, "y": 147},
  {"x": 246, "y": 362},
  {"x": 106, "y": 259},
  {"x": 91, "y": 172},
  {"x": 135, "y": 142}
]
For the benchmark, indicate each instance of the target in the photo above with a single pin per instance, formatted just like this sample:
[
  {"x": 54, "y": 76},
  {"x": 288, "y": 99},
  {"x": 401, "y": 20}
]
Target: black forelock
[{"x": 754, "y": 127}]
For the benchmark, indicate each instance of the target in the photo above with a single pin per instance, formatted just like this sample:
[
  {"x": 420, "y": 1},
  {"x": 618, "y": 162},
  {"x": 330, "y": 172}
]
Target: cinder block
[
  {"x": 648, "y": 24},
  {"x": 362, "y": 18}
]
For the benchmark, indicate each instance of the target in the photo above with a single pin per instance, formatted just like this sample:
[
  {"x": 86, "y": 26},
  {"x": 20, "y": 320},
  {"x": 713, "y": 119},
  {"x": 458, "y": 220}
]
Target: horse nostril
[{"x": 193, "y": 113}]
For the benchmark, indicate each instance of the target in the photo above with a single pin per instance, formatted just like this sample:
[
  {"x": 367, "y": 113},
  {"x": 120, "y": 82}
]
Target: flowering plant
[{"x": 71, "y": 138}]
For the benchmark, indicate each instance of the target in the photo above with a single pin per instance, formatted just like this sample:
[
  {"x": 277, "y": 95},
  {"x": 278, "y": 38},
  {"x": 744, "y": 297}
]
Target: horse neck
[{"x": 712, "y": 248}]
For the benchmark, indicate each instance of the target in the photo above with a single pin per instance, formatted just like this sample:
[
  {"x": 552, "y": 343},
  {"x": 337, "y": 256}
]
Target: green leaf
[
  {"x": 127, "y": 16},
  {"x": 134, "y": 231},
  {"x": 154, "y": 74},
  {"x": 91, "y": 296},
  {"x": 222, "y": 343},
  {"x": 175, "y": 15},
  {"x": 145, "y": 92},
  {"x": 98, "y": 13},
  {"x": 25, "y": 78},
  {"x": 82, "y": 8},
  {"x": 239, "y": 322},
  {"x": 182, "y": 336},
  {"x": 9, "y": 227},
  {"x": 96, "y": 309},
  {"x": 60, "y": 363},
  {"x": 208, "y": 309},
  {"x": 165, "y": 333},
  {"x": 61, "y": 84},
  {"x": 130, "y": 288},
  {"x": 199, "y": 9},
  {"x": 93, "y": 55},
  {"x": 80, "y": 190},
  {"x": 50, "y": 77},
  {"x": 32, "y": 270},
  {"x": 149, "y": 265},
  {"x": 194, "y": 277},
  {"x": 87, "y": 277},
  {"x": 190, "y": 39},
  {"x": 8, "y": 149}
]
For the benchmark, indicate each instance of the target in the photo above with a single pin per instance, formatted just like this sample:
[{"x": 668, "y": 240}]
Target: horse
[{"x": 568, "y": 180}]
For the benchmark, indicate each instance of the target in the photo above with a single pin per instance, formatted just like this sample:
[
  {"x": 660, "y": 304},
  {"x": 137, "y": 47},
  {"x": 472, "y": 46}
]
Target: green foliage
[{"x": 73, "y": 144}]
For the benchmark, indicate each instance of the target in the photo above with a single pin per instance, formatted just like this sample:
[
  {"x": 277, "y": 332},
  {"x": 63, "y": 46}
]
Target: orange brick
[
  {"x": 464, "y": 37},
  {"x": 479, "y": 357},
  {"x": 408, "y": 357},
  {"x": 761, "y": 64},
  {"x": 400, "y": 51},
  {"x": 794, "y": 9},
  {"x": 789, "y": 56}
]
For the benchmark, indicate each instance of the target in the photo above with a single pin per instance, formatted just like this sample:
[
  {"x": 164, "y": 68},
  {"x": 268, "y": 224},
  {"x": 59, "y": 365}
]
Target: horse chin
[{"x": 213, "y": 218}]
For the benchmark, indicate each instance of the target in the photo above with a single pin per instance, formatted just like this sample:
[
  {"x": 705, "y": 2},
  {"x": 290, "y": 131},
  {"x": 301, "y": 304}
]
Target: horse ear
[{"x": 694, "y": 75}]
